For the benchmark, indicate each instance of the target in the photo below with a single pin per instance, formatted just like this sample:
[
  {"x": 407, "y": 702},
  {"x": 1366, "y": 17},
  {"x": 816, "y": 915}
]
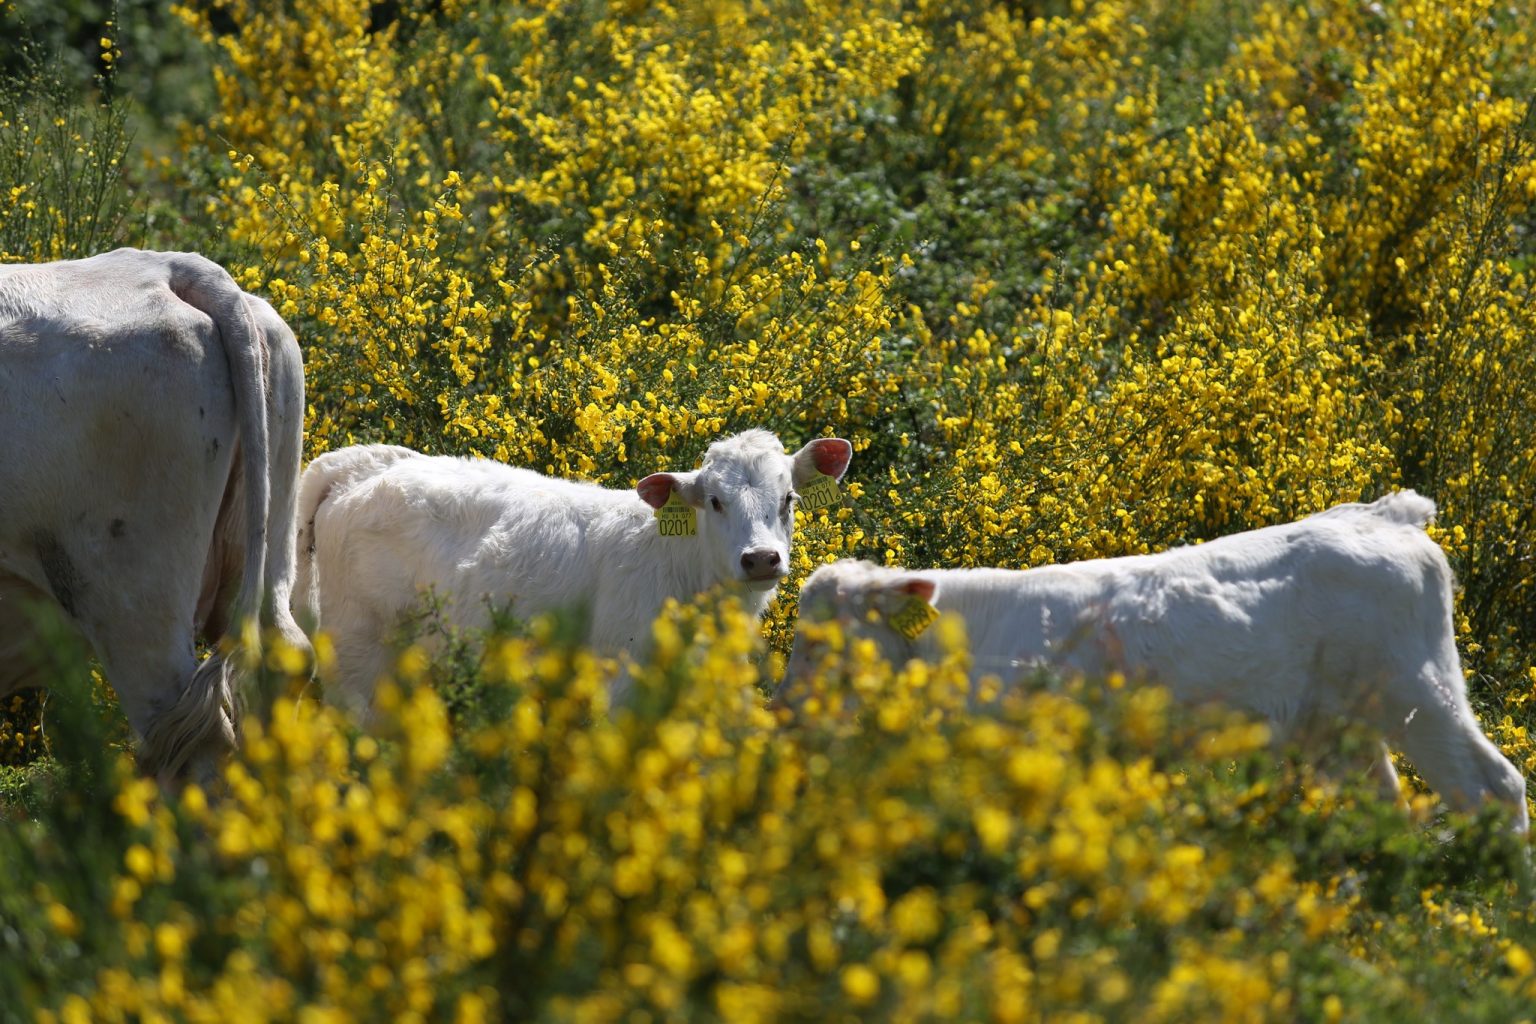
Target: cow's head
[
  {"x": 744, "y": 499},
  {"x": 845, "y": 602}
]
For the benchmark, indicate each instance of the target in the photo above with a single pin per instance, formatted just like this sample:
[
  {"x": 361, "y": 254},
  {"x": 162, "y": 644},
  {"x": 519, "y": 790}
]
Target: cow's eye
[
  {"x": 714, "y": 503},
  {"x": 789, "y": 501}
]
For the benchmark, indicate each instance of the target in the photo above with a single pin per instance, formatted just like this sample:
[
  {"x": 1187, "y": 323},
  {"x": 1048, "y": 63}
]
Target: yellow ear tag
[
  {"x": 819, "y": 493},
  {"x": 675, "y": 519},
  {"x": 913, "y": 617}
]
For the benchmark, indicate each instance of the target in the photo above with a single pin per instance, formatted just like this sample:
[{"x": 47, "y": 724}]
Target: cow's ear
[
  {"x": 826, "y": 455},
  {"x": 916, "y": 586},
  {"x": 658, "y": 487}
]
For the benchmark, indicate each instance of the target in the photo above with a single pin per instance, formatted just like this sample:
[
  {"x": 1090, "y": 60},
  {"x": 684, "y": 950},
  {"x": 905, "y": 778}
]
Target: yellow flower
[{"x": 861, "y": 984}]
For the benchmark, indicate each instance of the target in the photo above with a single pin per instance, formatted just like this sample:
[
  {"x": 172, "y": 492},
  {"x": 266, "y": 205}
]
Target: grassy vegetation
[{"x": 1078, "y": 280}]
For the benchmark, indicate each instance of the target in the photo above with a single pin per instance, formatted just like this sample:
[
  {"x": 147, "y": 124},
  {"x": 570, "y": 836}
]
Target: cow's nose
[{"x": 762, "y": 564}]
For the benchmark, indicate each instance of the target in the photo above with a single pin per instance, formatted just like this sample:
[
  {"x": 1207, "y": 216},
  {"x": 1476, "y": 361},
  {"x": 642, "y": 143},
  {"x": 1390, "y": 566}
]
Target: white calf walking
[{"x": 1344, "y": 615}]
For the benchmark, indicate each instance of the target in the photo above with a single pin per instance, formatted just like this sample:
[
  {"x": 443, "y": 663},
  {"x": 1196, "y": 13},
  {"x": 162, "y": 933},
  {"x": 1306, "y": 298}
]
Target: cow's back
[
  {"x": 471, "y": 530},
  {"x": 1293, "y": 599}
]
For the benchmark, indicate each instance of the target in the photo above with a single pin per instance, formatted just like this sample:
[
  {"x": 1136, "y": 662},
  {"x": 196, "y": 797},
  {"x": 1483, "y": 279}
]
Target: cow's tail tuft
[{"x": 200, "y": 727}]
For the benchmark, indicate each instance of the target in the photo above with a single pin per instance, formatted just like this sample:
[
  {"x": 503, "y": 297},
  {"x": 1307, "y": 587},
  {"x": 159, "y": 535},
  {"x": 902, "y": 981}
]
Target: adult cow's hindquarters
[{"x": 152, "y": 413}]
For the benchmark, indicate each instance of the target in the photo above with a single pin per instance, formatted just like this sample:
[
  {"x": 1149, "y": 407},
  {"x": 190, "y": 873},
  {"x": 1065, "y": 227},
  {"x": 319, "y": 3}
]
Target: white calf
[
  {"x": 151, "y": 415},
  {"x": 1342, "y": 616},
  {"x": 380, "y": 526}
]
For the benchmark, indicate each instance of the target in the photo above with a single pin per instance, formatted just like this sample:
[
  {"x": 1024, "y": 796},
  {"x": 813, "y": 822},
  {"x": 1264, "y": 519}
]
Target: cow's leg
[
  {"x": 1462, "y": 765},
  {"x": 1346, "y": 756},
  {"x": 185, "y": 713},
  {"x": 137, "y": 601},
  {"x": 363, "y": 657},
  {"x": 178, "y": 710},
  {"x": 1334, "y": 753},
  {"x": 1425, "y": 713},
  {"x": 1385, "y": 775}
]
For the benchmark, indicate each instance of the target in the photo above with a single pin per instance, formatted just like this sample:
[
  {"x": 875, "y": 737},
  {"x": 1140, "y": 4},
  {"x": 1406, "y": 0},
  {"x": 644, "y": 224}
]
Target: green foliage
[{"x": 61, "y": 168}]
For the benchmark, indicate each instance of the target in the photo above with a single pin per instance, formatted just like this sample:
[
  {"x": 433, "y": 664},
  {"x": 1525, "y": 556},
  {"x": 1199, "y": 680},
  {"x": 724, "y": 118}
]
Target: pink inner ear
[
  {"x": 831, "y": 455},
  {"x": 918, "y": 587},
  {"x": 656, "y": 488}
]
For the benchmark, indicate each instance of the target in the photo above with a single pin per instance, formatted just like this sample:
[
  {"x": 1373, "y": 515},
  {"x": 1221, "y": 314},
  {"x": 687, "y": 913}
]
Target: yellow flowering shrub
[
  {"x": 1079, "y": 279},
  {"x": 535, "y": 854},
  {"x": 496, "y": 257}
]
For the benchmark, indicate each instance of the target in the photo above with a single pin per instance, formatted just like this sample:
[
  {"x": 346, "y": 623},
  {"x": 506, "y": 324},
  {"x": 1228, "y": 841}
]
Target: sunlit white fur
[
  {"x": 380, "y": 526},
  {"x": 1343, "y": 616}
]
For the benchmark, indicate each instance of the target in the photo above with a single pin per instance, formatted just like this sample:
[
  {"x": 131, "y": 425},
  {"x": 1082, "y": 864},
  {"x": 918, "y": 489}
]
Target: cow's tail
[
  {"x": 206, "y": 715},
  {"x": 331, "y": 474},
  {"x": 1402, "y": 508},
  {"x": 314, "y": 487},
  {"x": 1406, "y": 508}
]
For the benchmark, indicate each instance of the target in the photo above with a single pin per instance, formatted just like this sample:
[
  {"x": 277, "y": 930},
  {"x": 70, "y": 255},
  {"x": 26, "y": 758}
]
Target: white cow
[
  {"x": 381, "y": 525},
  {"x": 1342, "y": 616},
  {"x": 151, "y": 413}
]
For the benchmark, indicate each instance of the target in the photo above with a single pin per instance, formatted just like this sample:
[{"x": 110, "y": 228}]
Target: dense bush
[
  {"x": 1078, "y": 280},
  {"x": 1082, "y": 851}
]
